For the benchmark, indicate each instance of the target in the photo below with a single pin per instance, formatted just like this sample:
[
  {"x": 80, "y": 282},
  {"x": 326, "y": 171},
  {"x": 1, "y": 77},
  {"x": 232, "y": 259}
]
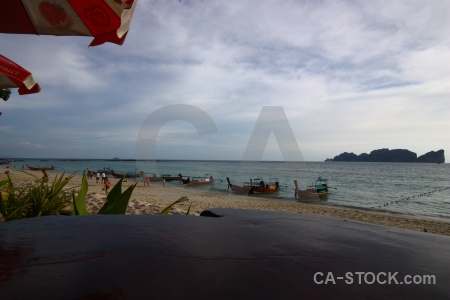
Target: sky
[{"x": 232, "y": 80}]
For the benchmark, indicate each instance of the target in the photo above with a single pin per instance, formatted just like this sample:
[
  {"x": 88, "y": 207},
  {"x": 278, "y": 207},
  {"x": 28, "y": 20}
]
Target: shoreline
[{"x": 153, "y": 199}]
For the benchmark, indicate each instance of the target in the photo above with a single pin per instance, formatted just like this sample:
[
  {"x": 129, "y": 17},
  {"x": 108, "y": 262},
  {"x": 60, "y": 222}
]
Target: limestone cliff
[{"x": 395, "y": 155}]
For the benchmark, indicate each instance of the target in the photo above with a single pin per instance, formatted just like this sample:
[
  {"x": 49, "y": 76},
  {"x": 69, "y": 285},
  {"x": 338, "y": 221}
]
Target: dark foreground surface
[{"x": 241, "y": 255}]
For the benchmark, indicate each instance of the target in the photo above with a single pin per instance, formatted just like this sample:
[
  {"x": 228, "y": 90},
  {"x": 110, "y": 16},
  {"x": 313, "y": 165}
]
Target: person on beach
[
  {"x": 103, "y": 176},
  {"x": 261, "y": 184},
  {"x": 144, "y": 180},
  {"x": 107, "y": 185},
  {"x": 97, "y": 178}
]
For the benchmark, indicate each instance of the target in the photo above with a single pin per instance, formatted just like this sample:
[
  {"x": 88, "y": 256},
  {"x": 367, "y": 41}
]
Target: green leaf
[
  {"x": 116, "y": 202},
  {"x": 121, "y": 205},
  {"x": 115, "y": 193},
  {"x": 167, "y": 209},
  {"x": 79, "y": 203}
]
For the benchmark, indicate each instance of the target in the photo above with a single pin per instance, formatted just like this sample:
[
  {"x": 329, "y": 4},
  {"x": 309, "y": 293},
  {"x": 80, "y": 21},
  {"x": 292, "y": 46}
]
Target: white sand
[{"x": 153, "y": 199}]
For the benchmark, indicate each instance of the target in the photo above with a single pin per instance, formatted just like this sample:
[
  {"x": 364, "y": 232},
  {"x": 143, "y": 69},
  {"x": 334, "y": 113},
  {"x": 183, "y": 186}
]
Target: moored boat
[
  {"x": 258, "y": 186},
  {"x": 4, "y": 161},
  {"x": 165, "y": 177},
  {"x": 316, "y": 191},
  {"x": 255, "y": 186},
  {"x": 40, "y": 168},
  {"x": 198, "y": 180},
  {"x": 169, "y": 177},
  {"x": 106, "y": 171},
  {"x": 243, "y": 190},
  {"x": 125, "y": 175},
  {"x": 152, "y": 178}
]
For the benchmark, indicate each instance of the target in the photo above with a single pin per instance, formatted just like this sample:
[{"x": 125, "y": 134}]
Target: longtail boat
[
  {"x": 261, "y": 187},
  {"x": 169, "y": 177},
  {"x": 166, "y": 177},
  {"x": 198, "y": 180},
  {"x": 256, "y": 186},
  {"x": 40, "y": 168},
  {"x": 106, "y": 171},
  {"x": 125, "y": 175},
  {"x": 316, "y": 191},
  {"x": 237, "y": 189}
]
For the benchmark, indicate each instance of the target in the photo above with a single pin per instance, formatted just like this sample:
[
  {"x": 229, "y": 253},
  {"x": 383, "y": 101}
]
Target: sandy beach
[{"x": 153, "y": 199}]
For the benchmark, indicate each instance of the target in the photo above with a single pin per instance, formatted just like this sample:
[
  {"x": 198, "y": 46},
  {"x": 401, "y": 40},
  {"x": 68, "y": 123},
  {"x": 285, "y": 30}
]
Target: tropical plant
[
  {"x": 44, "y": 199},
  {"x": 116, "y": 201},
  {"x": 79, "y": 204},
  {"x": 166, "y": 210},
  {"x": 36, "y": 200}
]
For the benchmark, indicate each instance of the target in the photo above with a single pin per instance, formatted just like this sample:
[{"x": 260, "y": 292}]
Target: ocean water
[{"x": 415, "y": 189}]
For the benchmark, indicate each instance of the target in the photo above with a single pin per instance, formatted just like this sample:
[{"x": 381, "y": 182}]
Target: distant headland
[{"x": 394, "y": 155}]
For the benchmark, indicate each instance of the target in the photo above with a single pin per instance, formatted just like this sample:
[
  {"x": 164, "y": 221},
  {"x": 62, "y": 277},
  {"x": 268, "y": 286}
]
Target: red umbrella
[
  {"x": 14, "y": 76},
  {"x": 105, "y": 20}
]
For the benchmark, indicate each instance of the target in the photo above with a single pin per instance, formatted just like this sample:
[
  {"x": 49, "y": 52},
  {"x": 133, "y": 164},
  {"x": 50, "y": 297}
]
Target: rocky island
[{"x": 394, "y": 155}]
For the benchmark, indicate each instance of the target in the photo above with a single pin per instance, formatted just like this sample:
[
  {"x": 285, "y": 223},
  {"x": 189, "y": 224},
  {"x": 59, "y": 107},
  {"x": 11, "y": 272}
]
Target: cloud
[{"x": 350, "y": 76}]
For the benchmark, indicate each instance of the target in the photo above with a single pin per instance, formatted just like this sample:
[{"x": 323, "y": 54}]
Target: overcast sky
[{"x": 333, "y": 75}]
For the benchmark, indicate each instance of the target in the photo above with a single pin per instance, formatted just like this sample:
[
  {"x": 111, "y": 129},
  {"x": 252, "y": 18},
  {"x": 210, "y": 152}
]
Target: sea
[{"x": 413, "y": 189}]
